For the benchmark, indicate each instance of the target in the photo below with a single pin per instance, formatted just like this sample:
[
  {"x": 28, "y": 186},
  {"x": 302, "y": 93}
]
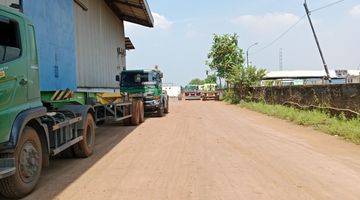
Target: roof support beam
[{"x": 126, "y": 2}]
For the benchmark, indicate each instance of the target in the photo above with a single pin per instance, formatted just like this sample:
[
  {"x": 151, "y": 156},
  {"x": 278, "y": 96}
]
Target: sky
[{"x": 182, "y": 36}]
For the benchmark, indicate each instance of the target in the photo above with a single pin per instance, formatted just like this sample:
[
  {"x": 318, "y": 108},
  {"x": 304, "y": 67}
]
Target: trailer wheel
[
  {"x": 28, "y": 162},
  {"x": 142, "y": 112},
  {"x": 135, "y": 119},
  {"x": 85, "y": 147}
]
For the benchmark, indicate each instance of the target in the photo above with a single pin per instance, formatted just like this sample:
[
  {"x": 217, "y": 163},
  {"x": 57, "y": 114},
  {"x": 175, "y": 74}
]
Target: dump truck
[
  {"x": 40, "y": 116},
  {"x": 210, "y": 92},
  {"x": 146, "y": 85}
]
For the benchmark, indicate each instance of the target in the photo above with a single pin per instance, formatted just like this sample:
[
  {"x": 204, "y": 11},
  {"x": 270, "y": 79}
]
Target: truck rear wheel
[
  {"x": 28, "y": 162},
  {"x": 85, "y": 147},
  {"x": 142, "y": 112},
  {"x": 135, "y": 119}
]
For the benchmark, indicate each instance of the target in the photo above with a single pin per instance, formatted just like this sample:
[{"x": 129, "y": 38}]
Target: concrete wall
[
  {"x": 344, "y": 96},
  {"x": 98, "y": 35}
]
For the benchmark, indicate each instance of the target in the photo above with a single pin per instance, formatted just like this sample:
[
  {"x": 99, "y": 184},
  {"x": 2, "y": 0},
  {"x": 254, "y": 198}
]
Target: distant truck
[
  {"x": 147, "y": 86},
  {"x": 192, "y": 92},
  {"x": 210, "y": 92},
  {"x": 36, "y": 125}
]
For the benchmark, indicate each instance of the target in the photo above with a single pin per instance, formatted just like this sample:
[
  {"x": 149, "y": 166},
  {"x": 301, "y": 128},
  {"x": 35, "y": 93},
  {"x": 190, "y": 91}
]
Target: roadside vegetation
[
  {"x": 227, "y": 60},
  {"x": 338, "y": 126}
]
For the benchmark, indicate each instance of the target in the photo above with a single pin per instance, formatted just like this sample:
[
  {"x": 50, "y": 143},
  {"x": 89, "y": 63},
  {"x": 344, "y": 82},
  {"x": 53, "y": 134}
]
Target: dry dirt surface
[{"x": 207, "y": 150}]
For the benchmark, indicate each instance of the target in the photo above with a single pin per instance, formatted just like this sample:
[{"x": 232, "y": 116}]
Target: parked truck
[
  {"x": 210, "y": 92},
  {"x": 37, "y": 124},
  {"x": 146, "y": 85}
]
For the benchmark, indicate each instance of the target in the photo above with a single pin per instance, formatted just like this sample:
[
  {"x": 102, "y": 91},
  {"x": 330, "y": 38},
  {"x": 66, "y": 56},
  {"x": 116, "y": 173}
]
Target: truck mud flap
[{"x": 7, "y": 167}]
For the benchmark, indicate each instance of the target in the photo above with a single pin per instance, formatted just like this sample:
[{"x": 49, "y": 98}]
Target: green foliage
[
  {"x": 348, "y": 129},
  {"x": 197, "y": 81},
  {"x": 226, "y": 58},
  {"x": 225, "y": 54},
  {"x": 211, "y": 79}
]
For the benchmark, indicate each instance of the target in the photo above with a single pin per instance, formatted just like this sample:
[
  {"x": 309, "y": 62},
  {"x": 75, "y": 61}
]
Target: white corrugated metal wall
[
  {"x": 98, "y": 35},
  {"x": 8, "y": 2}
]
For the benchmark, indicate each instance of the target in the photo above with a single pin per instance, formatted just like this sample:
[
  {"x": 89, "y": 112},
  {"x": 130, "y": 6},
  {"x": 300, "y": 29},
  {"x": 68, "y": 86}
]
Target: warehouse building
[{"x": 82, "y": 41}]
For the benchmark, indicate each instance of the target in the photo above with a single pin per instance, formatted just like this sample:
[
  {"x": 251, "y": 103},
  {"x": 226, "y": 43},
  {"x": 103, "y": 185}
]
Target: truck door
[
  {"x": 13, "y": 71},
  {"x": 33, "y": 69}
]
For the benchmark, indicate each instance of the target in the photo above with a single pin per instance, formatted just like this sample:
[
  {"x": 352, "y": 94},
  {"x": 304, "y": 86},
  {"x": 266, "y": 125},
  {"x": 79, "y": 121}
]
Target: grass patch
[{"x": 348, "y": 129}]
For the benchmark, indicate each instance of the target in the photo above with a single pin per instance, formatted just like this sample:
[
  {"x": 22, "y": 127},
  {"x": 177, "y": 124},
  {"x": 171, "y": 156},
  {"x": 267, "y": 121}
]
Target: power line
[
  {"x": 281, "y": 35},
  {"x": 326, "y": 6},
  {"x": 295, "y": 24}
]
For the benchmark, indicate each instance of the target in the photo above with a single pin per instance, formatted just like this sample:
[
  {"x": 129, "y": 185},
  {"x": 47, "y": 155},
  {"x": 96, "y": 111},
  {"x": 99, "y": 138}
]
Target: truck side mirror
[{"x": 117, "y": 78}]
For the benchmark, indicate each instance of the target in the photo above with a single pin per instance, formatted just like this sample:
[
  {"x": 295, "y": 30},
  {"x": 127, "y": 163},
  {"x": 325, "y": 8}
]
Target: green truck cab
[
  {"x": 37, "y": 125},
  {"x": 147, "y": 86},
  {"x": 192, "y": 92},
  {"x": 31, "y": 131},
  {"x": 210, "y": 92}
]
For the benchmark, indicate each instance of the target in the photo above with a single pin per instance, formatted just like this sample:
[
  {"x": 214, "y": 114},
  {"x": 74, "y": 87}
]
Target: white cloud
[
  {"x": 267, "y": 22},
  {"x": 161, "y": 21},
  {"x": 355, "y": 11}
]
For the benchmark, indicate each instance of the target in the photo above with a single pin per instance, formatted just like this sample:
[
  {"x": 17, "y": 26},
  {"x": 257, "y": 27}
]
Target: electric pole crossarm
[{"x": 308, "y": 13}]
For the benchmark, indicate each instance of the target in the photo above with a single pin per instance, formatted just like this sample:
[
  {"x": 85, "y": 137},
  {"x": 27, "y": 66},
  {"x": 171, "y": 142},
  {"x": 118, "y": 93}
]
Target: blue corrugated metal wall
[{"x": 54, "y": 23}]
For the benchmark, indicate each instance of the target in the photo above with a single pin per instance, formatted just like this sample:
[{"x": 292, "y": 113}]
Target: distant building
[
  {"x": 172, "y": 90},
  {"x": 353, "y": 76},
  {"x": 310, "y": 77}
]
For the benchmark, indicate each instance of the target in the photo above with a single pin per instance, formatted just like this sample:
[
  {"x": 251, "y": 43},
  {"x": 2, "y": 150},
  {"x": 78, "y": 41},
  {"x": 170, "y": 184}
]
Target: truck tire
[
  {"x": 28, "y": 162},
  {"x": 142, "y": 112},
  {"x": 127, "y": 121},
  {"x": 135, "y": 119},
  {"x": 161, "y": 111},
  {"x": 85, "y": 147},
  {"x": 166, "y": 110}
]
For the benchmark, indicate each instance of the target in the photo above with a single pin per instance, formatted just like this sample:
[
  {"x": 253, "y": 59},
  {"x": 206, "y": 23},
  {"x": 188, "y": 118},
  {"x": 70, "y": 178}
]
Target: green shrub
[{"x": 340, "y": 126}]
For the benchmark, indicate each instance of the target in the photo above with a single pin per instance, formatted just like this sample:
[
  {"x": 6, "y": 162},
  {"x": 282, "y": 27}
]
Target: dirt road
[{"x": 208, "y": 150}]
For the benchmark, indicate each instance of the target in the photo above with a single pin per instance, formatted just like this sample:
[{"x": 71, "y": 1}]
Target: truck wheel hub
[{"x": 29, "y": 162}]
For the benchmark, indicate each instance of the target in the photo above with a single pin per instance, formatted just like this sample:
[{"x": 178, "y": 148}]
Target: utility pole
[
  {"x": 308, "y": 13},
  {"x": 281, "y": 59},
  {"x": 247, "y": 53}
]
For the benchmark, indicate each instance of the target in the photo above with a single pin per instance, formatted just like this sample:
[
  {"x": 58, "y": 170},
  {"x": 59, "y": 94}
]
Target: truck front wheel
[
  {"x": 28, "y": 160},
  {"x": 161, "y": 110},
  {"x": 166, "y": 110},
  {"x": 85, "y": 147}
]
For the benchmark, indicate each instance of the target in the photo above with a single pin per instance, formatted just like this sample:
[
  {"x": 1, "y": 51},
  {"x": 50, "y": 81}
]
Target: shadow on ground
[{"x": 62, "y": 172}]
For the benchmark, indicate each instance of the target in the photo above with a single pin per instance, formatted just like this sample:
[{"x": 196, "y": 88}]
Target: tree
[
  {"x": 197, "y": 81},
  {"x": 225, "y": 55},
  {"x": 211, "y": 79},
  {"x": 226, "y": 58}
]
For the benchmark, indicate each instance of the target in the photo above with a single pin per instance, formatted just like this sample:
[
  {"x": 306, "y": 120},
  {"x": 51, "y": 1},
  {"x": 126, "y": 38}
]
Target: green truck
[
  {"x": 37, "y": 125},
  {"x": 147, "y": 86},
  {"x": 210, "y": 91}
]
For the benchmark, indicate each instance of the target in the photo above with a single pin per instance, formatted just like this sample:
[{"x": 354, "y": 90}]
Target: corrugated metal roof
[
  {"x": 299, "y": 74},
  {"x": 135, "y": 11}
]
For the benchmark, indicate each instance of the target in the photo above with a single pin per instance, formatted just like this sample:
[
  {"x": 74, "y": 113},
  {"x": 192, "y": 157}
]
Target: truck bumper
[
  {"x": 152, "y": 106},
  {"x": 7, "y": 167}
]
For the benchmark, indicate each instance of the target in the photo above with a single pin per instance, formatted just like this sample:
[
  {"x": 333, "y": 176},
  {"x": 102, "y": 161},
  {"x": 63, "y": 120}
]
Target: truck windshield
[
  {"x": 131, "y": 79},
  {"x": 9, "y": 40}
]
